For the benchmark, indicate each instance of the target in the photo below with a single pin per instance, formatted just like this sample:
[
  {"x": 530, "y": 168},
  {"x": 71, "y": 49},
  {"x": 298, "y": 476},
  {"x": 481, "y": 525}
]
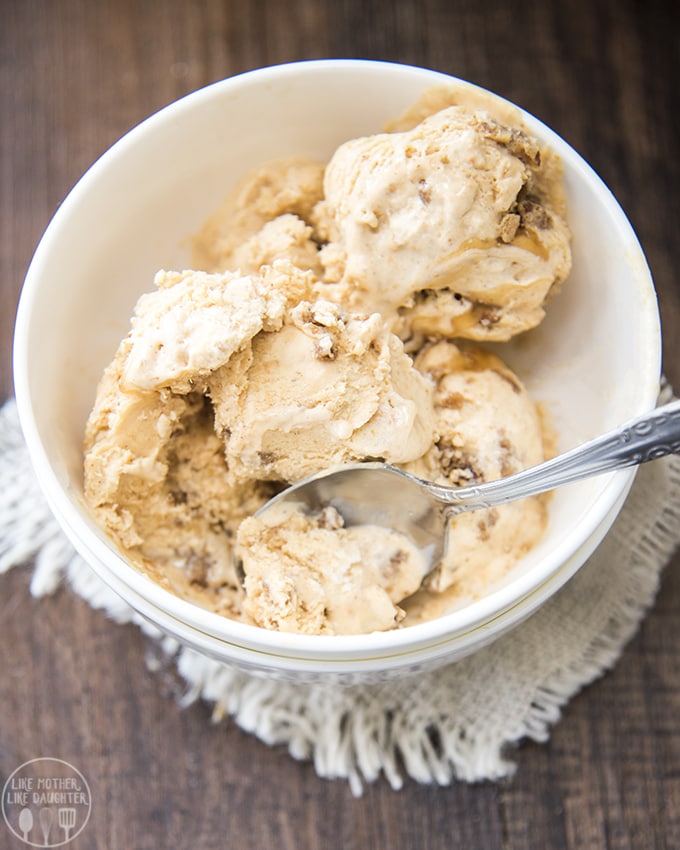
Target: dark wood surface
[{"x": 74, "y": 76}]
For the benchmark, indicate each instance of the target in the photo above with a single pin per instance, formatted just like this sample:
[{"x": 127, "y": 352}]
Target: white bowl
[{"x": 593, "y": 363}]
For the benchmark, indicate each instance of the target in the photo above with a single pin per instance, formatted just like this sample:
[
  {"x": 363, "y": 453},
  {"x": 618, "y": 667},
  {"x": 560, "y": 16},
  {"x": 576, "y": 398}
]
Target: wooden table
[{"x": 75, "y": 75}]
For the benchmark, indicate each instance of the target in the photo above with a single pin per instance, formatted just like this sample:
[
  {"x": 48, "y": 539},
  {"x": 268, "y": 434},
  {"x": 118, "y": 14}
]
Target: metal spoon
[{"x": 375, "y": 493}]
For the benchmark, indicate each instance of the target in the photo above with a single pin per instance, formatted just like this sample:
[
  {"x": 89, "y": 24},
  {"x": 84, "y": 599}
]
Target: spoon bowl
[{"x": 375, "y": 493}]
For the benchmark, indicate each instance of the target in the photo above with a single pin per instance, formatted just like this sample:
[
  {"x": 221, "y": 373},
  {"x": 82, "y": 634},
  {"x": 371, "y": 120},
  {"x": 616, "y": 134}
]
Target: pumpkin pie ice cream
[{"x": 334, "y": 314}]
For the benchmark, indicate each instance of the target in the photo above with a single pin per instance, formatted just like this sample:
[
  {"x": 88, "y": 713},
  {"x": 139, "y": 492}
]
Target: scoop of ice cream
[
  {"x": 457, "y": 225},
  {"x": 309, "y": 574},
  {"x": 156, "y": 480},
  {"x": 284, "y": 238},
  {"x": 329, "y": 387},
  {"x": 488, "y": 428},
  {"x": 193, "y": 322},
  {"x": 242, "y": 235}
]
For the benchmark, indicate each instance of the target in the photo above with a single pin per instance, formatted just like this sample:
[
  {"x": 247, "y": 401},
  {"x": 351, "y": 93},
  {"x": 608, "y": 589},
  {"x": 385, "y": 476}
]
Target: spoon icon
[{"x": 25, "y": 822}]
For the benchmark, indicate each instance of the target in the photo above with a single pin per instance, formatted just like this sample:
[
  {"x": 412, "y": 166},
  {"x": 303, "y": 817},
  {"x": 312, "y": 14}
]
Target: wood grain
[{"x": 74, "y": 76}]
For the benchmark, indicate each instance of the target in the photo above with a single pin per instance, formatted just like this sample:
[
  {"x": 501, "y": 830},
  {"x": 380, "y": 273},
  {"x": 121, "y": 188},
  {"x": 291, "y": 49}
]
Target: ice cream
[
  {"x": 226, "y": 385},
  {"x": 328, "y": 320},
  {"x": 156, "y": 479},
  {"x": 327, "y": 388},
  {"x": 488, "y": 427},
  {"x": 456, "y": 226},
  {"x": 263, "y": 219},
  {"x": 309, "y": 574}
]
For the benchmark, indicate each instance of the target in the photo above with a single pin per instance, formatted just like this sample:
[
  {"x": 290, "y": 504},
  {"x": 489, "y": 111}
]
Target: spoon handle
[{"x": 650, "y": 436}]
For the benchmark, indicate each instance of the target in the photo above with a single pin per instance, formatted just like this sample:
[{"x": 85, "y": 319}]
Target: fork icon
[{"x": 67, "y": 820}]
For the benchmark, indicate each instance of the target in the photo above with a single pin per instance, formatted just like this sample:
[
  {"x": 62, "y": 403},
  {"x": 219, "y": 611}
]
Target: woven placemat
[{"x": 459, "y": 722}]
